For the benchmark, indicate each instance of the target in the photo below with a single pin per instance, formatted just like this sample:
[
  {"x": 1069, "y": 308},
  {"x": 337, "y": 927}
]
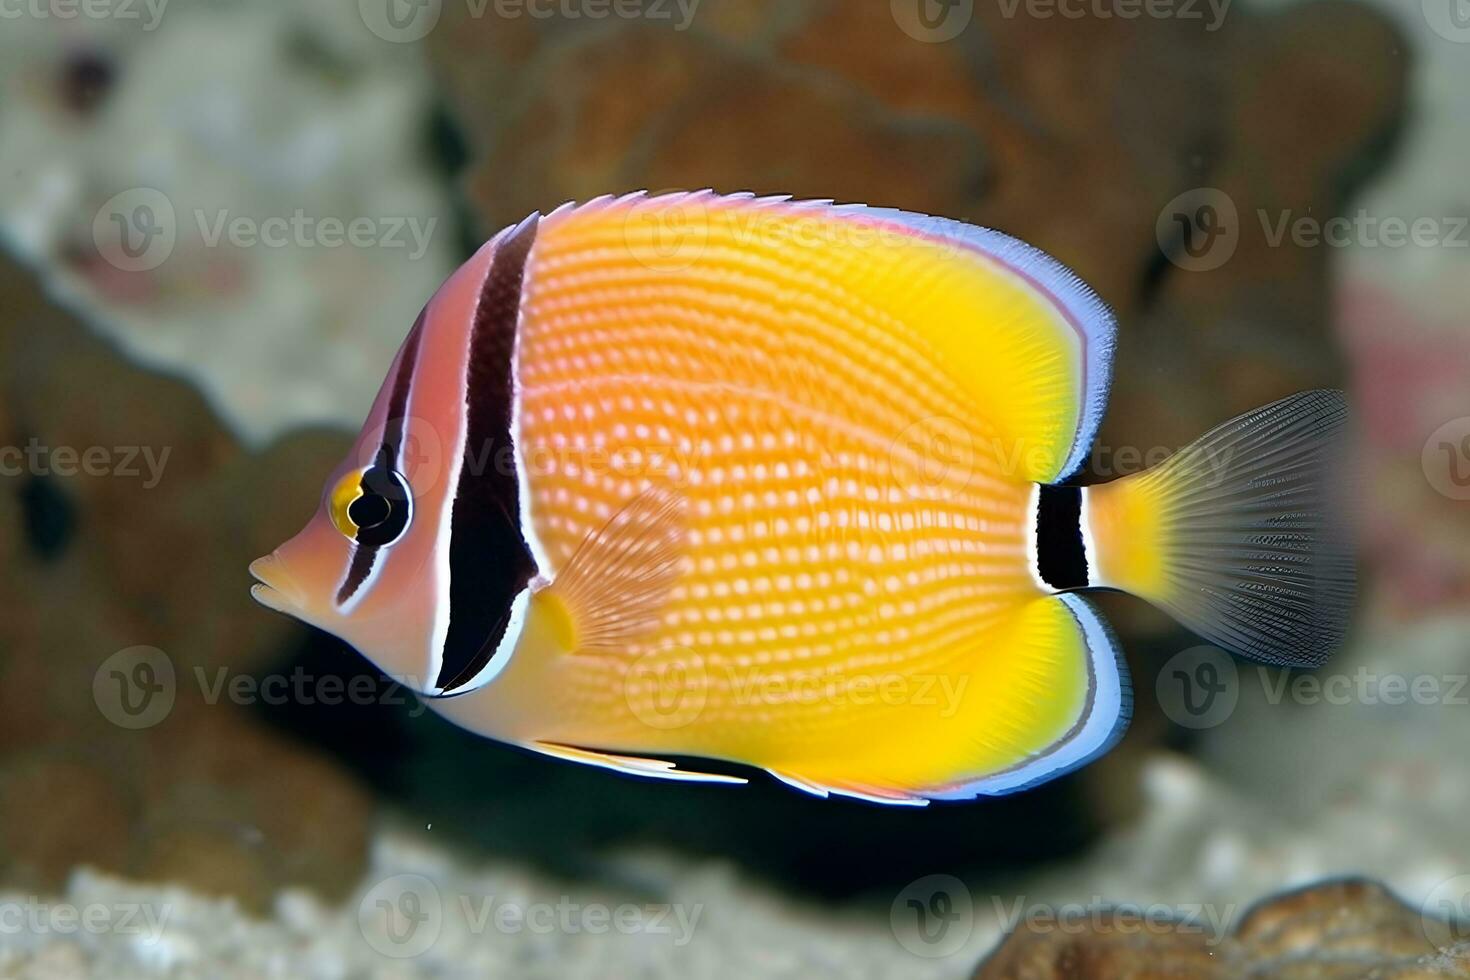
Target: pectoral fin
[{"x": 618, "y": 581}]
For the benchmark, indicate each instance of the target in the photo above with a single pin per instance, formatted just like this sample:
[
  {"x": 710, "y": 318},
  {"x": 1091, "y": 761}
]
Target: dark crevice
[{"x": 48, "y": 515}]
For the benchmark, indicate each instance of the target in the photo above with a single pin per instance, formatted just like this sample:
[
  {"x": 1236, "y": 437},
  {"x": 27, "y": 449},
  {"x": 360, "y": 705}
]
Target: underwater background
[{"x": 220, "y": 218}]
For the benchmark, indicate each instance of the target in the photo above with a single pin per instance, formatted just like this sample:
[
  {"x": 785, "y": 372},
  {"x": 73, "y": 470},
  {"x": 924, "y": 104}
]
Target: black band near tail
[{"x": 1061, "y": 553}]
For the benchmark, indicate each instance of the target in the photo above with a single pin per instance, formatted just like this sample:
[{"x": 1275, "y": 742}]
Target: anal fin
[
  {"x": 631, "y": 764},
  {"x": 885, "y": 796},
  {"x": 1035, "y": 694}
]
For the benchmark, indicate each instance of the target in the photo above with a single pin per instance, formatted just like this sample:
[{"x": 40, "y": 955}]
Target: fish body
[{"x": 783, "y": 483}]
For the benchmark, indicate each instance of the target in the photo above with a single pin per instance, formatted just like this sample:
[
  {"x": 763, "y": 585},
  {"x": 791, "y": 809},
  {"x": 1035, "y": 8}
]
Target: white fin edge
[
  {"x": 818, "y": 790},
  {"x": 632, "y": 765}
]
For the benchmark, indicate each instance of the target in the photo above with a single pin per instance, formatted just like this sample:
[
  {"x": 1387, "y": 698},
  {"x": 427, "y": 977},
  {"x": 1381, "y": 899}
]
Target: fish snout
[{"x": 274, "y": 587}]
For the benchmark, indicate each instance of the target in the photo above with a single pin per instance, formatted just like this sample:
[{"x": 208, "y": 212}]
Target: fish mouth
[{"x": 274, "y": 588}]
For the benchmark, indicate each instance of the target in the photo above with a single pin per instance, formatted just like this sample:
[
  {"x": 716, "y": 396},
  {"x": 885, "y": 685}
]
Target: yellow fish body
[{"x": 781, "y": 483}]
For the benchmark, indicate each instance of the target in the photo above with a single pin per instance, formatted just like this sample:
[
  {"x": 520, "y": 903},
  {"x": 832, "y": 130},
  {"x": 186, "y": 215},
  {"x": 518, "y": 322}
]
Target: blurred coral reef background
[{"x": 268, "y": 826}]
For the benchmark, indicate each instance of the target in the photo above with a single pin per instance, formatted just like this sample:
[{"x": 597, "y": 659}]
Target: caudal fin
[{"x": 1239, "y": 535}]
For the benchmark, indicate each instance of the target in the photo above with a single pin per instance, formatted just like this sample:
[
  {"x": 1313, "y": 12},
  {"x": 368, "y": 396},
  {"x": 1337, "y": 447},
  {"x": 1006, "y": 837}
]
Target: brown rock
[
  {"x": 643, "y": 108},
  {"x": 1349, "y": 930},
  {"x": 94, "y": 563},
  {"x": 862, "y": 44},
  {"x": 752, "y": 22},
  {"x": 57, "y": 812}
]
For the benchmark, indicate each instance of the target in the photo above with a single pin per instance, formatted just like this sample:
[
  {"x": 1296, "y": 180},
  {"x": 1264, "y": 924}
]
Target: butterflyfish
[{"x": 790, "y": 485}]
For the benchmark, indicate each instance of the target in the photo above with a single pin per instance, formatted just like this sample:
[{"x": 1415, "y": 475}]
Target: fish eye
[
  {"x": 369, "y": 510},
  {"x": 371, "y": 506}
]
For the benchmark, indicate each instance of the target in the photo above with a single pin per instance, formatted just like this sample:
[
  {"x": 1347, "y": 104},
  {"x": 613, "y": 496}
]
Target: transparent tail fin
[{"x": 1239, "y": 536}]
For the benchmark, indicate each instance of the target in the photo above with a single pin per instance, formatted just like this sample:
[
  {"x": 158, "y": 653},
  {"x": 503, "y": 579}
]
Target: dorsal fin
[
  {"x": 1081, "y": 307},
  {"x": 1030, "y": 343}
]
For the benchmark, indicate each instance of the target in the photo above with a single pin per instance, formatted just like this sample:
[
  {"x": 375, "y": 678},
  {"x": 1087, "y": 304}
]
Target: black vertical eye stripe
[
  {"x": 490, "y": 561},
  {"x": 395, "y": 424}
]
